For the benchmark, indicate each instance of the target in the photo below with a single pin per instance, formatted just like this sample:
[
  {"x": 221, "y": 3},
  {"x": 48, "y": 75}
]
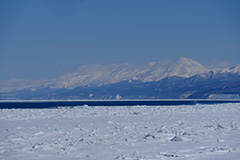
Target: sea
[{"x": 41, "y": 104}]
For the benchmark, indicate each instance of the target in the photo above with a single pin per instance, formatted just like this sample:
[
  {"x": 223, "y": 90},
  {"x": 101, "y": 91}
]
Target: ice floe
[{"x": 128, "y": 132}]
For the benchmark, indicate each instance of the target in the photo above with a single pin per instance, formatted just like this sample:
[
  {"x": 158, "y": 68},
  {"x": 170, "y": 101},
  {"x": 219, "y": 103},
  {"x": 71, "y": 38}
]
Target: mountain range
[{"x": 180, "y": 79}]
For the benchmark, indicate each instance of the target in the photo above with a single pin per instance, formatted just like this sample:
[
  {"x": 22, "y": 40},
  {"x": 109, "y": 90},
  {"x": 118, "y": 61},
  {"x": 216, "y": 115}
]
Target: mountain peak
[
  {"x": 185, "y": 60},
  {"x": 186, "y": 67},
  {"x": 181, "y": 58}
]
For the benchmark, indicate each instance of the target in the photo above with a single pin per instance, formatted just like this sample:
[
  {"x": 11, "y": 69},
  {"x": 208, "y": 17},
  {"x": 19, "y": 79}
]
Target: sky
[{"x": 42, "y": 39}]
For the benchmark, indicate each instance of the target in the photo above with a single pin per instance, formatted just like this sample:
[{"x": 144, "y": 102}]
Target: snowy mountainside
[
  {"x": 94, "y": 75},
  {"x": 234, "y": 69},
  {"x": 20, "y": 84},
  {"x": 185, "y": 67}
]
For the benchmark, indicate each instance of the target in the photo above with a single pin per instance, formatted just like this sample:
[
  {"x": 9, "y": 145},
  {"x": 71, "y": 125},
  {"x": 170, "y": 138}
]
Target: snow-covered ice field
[{"x": 199, "y": 132}]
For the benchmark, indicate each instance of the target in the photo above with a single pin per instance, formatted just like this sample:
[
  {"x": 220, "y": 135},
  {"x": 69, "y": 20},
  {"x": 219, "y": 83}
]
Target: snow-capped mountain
[
  {"x": 183, "y": 78},
  {"x": 185, "y": 67},
  {"x": 97, "y": 75}
]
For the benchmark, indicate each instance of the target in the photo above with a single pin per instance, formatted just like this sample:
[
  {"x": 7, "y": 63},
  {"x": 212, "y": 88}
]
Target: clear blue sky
[{"x": 39, "y": 38}]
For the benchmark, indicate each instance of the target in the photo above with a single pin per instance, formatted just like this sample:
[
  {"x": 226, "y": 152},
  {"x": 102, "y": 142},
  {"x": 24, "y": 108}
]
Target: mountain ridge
[
  {"x": 97, "y": 77},
  {"x": 97, "y": 74}
]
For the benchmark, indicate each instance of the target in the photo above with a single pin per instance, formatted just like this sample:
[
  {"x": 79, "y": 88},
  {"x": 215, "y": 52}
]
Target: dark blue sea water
[{"x": 56, "y": 104}]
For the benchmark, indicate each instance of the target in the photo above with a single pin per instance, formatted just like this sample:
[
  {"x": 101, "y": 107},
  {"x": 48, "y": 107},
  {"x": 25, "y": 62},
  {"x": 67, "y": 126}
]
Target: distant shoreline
[
  {"x": 79, "y": 100},
  {"x": 40, "y": 104}
]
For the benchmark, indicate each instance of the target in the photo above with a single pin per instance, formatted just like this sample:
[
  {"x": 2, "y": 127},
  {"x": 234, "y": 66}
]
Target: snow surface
[{"x": 199, "y": 132}]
